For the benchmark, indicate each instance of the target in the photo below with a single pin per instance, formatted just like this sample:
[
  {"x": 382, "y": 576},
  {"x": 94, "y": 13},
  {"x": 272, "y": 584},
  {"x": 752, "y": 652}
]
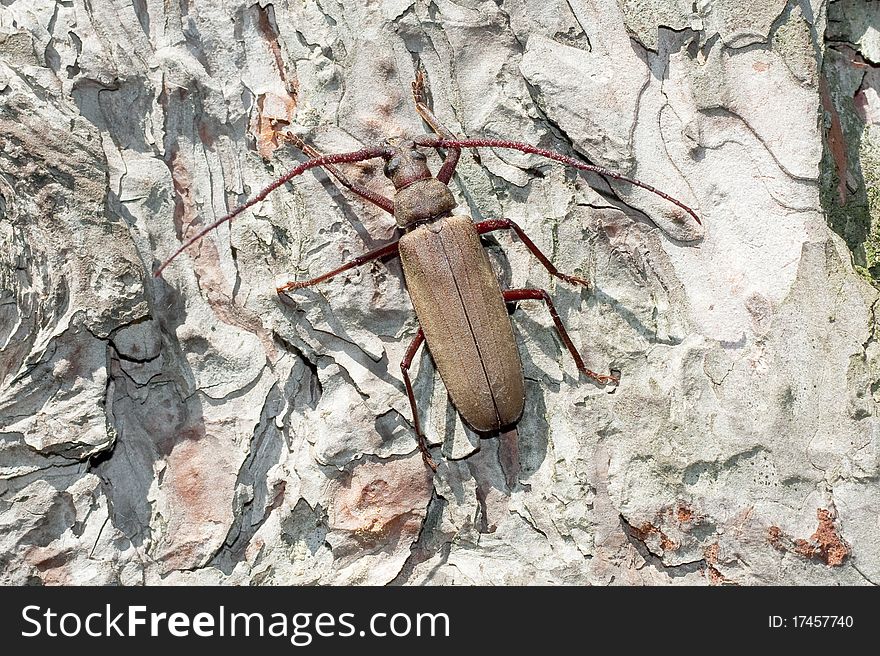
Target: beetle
[{"x": 458, "y": 301}]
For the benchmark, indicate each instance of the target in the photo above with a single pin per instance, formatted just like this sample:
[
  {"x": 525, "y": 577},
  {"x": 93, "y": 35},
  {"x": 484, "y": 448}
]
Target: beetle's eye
[
  {"x": 391, "y": 166},
  {"x": 419, "y": 155}
]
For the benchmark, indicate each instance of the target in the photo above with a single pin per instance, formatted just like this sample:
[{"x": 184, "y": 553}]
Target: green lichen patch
[
  {"x": 869, "y": 155},
  {"x": 850, "y": 151}
]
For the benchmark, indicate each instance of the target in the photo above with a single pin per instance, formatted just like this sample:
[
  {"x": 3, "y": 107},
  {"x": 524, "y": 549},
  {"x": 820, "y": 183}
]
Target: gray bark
[{"x": 195, "y": 428}]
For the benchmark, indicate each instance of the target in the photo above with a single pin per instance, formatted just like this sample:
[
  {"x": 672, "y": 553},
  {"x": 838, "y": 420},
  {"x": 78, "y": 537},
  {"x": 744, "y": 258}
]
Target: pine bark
[{"x": 197, "y": 428}]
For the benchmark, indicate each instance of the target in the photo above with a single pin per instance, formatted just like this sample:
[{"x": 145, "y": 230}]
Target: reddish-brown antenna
[
  {"x": 434, "y": 142},
  {"x": 341, "y": 158}
]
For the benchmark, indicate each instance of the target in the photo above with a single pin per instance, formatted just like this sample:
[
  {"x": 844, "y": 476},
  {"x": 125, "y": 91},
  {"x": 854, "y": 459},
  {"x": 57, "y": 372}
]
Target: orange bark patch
[
  {"x": 777, "y": 538},
  {"x": 202, "y": 484},
  {"x": 825, "y": 544},
  {"x": 381, "y": 501},
  {"x": 647, "y": 530},
  {"x": 712, "y": 571},
  {"x": 51, "y": 564},
  {"x": 678, "y": 520},
  {"x": 273, "y": 111},
  {"x": 684, "y": 514}
]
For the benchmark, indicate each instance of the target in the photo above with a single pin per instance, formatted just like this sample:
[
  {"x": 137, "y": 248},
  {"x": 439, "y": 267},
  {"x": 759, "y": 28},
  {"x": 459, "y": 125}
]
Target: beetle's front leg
[
  {"x": 446, "y": 171},
  {"x": 385, "y": 251},
  {"x": 368, "y": 194},
  {"x": 506, "y": 224},
  {"x": 511, "y": 295}
]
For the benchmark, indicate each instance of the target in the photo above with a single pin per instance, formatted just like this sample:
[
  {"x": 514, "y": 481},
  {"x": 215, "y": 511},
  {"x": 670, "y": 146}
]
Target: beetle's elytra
[
  {"x": 461, "y": 310},
  {"x": 457, "y": 298}
]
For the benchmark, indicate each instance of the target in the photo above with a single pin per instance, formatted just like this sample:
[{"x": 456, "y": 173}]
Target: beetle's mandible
[{"x": 458, "y": 301}]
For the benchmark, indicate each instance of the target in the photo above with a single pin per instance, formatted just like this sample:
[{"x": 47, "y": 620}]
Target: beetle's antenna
[
  {"x": 432, "y": 142},
  {"x": 339, "y": 158}
]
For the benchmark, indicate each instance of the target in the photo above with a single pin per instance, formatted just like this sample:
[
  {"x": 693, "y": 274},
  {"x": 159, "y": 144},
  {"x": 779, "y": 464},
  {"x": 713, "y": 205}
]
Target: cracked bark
[{"x": 196, "y": 429}]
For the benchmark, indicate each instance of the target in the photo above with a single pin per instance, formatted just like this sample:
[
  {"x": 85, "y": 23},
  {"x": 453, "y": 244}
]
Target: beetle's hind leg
[
  {"x": 490, "y": 225},
  {"x": 511, "y": 295},
  {"x": 404, "y": 369}
]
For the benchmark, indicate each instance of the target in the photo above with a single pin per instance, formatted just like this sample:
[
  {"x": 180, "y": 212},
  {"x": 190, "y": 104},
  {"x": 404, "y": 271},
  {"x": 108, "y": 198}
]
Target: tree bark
[{"x": 195, "y": 428}]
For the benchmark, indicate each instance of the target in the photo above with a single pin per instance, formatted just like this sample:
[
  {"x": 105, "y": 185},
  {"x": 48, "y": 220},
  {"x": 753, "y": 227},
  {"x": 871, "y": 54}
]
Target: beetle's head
[
  {"x": 405, "y": 165},
  {"x": 420, "y": 196}
]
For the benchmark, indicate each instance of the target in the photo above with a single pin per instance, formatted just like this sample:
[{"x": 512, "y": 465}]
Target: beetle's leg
[
  {"x": 385, "y": 251},
  {"x": 377, "y": 199},
  {"x": 511, "y": 295},
  {"x": 506, "y": 224},
  {"x": 444, "y": 175},
  {"x": 404, "y": 369}
]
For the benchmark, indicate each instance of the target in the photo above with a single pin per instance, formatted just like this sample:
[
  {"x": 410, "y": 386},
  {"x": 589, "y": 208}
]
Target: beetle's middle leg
[
  {"x": 385, "y": 251},
  {"x": 511, "y": 295},
  {"x": 506, "y": 224},
  {"x": 404, "y": 369}
]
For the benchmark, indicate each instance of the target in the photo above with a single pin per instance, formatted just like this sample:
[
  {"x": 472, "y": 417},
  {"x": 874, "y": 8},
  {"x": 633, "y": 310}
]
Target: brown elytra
[{"x": 461, "y": 309}]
